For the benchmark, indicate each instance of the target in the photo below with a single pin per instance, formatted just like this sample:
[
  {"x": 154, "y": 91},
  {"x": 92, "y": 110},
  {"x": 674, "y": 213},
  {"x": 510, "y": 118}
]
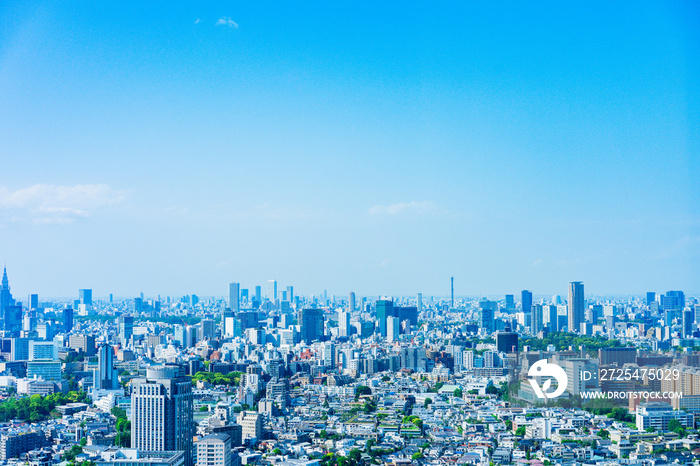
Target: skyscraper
[
  {"x": 507, "y": 342},
  {"x": 420, "y": 302},
  {"x": 385, "y": 309},
  {"x": 311, "y": 324},
  {"x": 526, "y": 300},
  {"x": 488, "y": 315},
  {"x": 126, "y": 329},
  {"x": 537, "y": 321},
  {"x": 67, "y": 319},
  {"x": 161, "y": 411},
  {"x": 393, "y": 328},
  {"x": 106, "y": 375},
  {"x": 234, "y": 297},
  {"x": 272, "y": 290},
  {"x": 33, "y": 301},
  {"x": 85, "y": 296},
  {"x": 351, "y": 302},
  {"x": 344, "y": 323},
  {"x": 5, "y": 295},
  {"x": 551, "y": 312},
  {"x": 576, "y": 306}
]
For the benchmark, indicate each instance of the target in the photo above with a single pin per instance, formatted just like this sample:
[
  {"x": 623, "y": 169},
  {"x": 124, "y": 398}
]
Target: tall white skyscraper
[
  {"x": 393, "y": 328},
  {"x": 272, "y": 290},
  {"x": 420, "y": 303},
  {"x": 344, "y": 323},
  {"x": 161, "y": 412},
  {"x": 234, "y": 303}
]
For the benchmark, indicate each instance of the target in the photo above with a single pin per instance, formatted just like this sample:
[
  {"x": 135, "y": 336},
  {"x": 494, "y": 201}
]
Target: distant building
[
  {"x": 126, "y": 329},
  {"x": 507, "y": 342},
  {"x": 576, "y": 305},
  {"x": 106, "y": 377},
  {"x": 385, "y": 309},
  {"x": 67, "y": 319},
  {"x": 344, "y": 323},
  {"x": 393, "y": 329},
  {"x": 85, "y": 296},
  {"x": 83, "y": 343},
  {"x": 234, "y": 297},
  {"x": 311, "y": 324},
  {"x": 619, "y": 356},
  {"x": 526, "y": 300}
]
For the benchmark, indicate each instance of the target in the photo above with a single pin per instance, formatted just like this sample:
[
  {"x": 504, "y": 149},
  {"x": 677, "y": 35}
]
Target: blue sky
[{"x": 346, "y": 146}]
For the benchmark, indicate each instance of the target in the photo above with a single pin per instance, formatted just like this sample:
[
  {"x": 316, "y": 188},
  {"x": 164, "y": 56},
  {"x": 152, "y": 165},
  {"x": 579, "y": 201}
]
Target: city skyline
[{"x": 357, "y": 147}]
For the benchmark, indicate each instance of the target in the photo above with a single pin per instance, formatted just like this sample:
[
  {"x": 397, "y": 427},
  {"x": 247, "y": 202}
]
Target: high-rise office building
[
  {"x": 577, "y": 306},
  {"x": 33, "y": 302},
  {"x": 272, "y": 290},
  {"x": 234, "y": 297},
  {"x": 552, "y": 314},
  {"x": 393, "y": 328},
  {"x": 329, "y": 355},
  {"x": 351, "y": 302},
  {"x": 385, "y": 309},
  {"x": 674, "y": 300},
  {"x": 507, "y": 342},
  {"x": 106, "y": 376},
  {"x": 537, "y": 321},
  {"x": 126, "y": 329},
  {"x": 687, "y": 322},
  {"x": 290, "y": 294},
  {"x": 161, "y": 412},
  {"x": 526, "y": 300},
  {"x": 409, "y": 313},
  {"x": 419, "y": 300},
  {"x": 651, "y": 297},
  {"x": 311, "y": 324},
  {"x": 67, "y": 319},
  {"x": 5, "y": 295},
  {"x": 488, "y": 315},
  {"x": 83, "y": 343},
  {"x": 85, "y": 296},
  {"x": 344, "y": 323}
]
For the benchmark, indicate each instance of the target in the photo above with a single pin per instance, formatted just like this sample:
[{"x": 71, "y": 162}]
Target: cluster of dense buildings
[{"x": 282, "y": 379}]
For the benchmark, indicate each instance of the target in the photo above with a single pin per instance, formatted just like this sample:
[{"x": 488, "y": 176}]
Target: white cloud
[
  {"x": 226, "y": 21},
  {"x": 42, "y": 203},
  {"x": 198, "y": 21},
  {"x": 413, "y": 207},
  {"x": 537, "y": 262}
]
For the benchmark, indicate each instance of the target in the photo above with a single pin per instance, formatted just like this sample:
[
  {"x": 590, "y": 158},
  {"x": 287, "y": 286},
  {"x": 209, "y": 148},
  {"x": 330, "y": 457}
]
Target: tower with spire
[{"x": 5, "y": 295}]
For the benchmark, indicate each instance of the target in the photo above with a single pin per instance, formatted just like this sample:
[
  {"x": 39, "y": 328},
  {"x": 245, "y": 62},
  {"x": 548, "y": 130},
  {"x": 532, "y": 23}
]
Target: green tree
[
  {"x": 362, "y": 390},
  {"x": 457, "y": 393},
  {"x": 427, "y": 402},
  {"x": 520, "y": 431}
]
